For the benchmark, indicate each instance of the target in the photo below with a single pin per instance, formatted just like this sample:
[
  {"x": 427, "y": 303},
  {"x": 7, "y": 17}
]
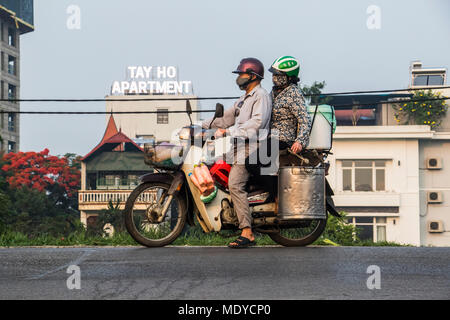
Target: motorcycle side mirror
[
  {"x": 188, "y": 107},
  {"x": 219, "y": 111},
  {"x": 218, "y": 114}
]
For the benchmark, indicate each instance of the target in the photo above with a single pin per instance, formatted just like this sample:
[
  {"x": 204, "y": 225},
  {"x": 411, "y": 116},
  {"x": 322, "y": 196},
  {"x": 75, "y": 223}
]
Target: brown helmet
[{"x": 251, "y": 66}]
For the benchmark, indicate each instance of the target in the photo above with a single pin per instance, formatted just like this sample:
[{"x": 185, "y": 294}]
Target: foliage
[
  {"x": 315, "y": 89},
  {"x": 5, "y": 206},
  {"x": 78, "y": 238},
  {"x": 42, "y": 172},
  {"x": 73, "y": 160},
  {"x": 112, "y": 215},
  {"x": 32, "y": 212},
  {"x": 82, "y": 238},
  {"x": 339, "y": 232},
  {"x": 38, "y": 194},
  {"x": 424, "y": 112}
]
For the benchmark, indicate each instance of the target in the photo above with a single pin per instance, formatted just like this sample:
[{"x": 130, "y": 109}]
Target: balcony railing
[{"x": 103, "y": 197}]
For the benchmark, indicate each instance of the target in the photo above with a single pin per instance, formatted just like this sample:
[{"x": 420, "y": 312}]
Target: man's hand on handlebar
[{"x": 220, "y": 133}]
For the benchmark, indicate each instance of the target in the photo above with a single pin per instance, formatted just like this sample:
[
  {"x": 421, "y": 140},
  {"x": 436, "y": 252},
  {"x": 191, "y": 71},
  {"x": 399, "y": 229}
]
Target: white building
[
  {"x": 150, "y": 88},
  {"x": 394, "y": 180},
  {"x": 160, "y": 126}
]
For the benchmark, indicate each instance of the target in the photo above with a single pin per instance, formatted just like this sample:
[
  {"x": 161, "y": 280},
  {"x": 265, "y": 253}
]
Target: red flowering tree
[
  {"x": 42, "y": 172},
  {"x": 41, "y": 192}
]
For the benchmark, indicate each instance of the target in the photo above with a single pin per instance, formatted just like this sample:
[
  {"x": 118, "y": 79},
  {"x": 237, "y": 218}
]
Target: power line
[
  {"x": 375, "y": 91},
  {"x": 214, "y": 98},
  {"x": 103, "y": 112},
  {"x": 205, "y": 111}
]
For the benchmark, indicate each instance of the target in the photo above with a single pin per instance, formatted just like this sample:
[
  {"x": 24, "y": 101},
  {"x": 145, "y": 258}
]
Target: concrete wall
[
  {"x": 402, "y": 179},
  {"x": 146, "y": 124},
  {"x": 435, "y": 180},
  {"x": 432, "y": 180},
  {"x": 407, "y": 149}
]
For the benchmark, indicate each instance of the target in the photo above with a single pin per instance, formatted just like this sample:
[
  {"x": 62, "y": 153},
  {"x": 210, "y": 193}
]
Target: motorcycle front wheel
[
  {"x": 141, "y": 221},
  {"x": 301, "y": 236}
]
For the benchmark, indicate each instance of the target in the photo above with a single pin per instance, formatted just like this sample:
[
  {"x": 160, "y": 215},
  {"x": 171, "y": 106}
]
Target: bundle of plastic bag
[
  {"x": 162, "y": 155},
  {"x": 202, "y": 179}
]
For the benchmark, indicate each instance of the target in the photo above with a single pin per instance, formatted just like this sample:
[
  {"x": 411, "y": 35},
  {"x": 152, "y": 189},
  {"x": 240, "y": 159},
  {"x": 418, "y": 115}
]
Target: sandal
[{"x": 242, "y": 242}]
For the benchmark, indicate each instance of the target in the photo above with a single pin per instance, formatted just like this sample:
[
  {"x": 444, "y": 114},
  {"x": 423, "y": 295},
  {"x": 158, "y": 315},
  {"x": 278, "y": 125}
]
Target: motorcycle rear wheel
[
  {"x": 139, "y": 223},
  {"x": 300, "y": 237}
]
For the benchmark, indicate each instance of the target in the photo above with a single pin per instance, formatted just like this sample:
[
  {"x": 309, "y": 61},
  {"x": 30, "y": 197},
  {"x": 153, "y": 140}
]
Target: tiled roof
[{"x": 113, "y": 140}]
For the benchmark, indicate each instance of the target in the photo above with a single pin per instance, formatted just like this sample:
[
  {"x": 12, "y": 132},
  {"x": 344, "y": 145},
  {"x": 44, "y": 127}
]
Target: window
[
  {"x": 91, "y": 181},
  {"x": 145, "y": 136},
  {"x": 370, "y": 228},
  {"x": 118, "y": 180},
  {"x": 429, "y": 80},
  {"x": 11, "y": 92},
  {"x": 12, "y": 65},
  {"x": 162, "y": 116},
  {"x": 107, "y": 180},
  {"x": 11, "y": 146},
  {"x": 435, "y": 80},
  {"x": 133, "y": 180},
  {"x": 363, "y": 175},
  {"x": 11, "y": 37},
  {"x": 11, "y": 122}
]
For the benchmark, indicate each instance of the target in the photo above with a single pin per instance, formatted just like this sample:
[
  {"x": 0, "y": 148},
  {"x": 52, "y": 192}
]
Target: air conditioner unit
[
  {"x": 435, "y": 226},
  {"x": 434, "y": 163},
  {"x": 434, "y": 197}
]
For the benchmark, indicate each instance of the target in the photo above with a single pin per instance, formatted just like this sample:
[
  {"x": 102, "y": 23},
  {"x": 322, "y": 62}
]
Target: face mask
[
  {"x": 280, "y": 81},
  {"x": 244, "y": 82}
]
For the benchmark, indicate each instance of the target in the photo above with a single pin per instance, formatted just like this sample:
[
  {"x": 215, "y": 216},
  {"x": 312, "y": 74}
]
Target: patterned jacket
[{"x": 290, "y": 116}]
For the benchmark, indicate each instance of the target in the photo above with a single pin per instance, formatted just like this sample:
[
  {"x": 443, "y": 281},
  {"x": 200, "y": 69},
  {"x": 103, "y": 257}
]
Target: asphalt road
[{"x": 221, "y": 273}]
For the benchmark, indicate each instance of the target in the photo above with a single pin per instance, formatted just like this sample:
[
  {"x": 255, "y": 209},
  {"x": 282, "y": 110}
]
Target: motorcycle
[{"x": 291, "y": 207}]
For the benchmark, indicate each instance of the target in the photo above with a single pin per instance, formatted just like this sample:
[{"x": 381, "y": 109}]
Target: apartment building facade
[
  {"x": 16, "y": 19},
  {"x": 393, "y": 179}
]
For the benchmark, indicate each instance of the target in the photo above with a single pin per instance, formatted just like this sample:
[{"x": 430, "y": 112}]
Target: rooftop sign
[{"x": 151, "y": 80}]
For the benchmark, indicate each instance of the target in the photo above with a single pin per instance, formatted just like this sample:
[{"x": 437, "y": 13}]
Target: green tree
[
  {"x": 314, "y": 92},
  {"x": 38, "y": 211},
  {"x": 5, "y": 202},
  {"x": 113, "y": 216},
  {"x": 34, "y": 213},
  {"x": 73, "y": 160},
  {"x": 340, "y": 232},
  {"x": 5, "y": 212}
]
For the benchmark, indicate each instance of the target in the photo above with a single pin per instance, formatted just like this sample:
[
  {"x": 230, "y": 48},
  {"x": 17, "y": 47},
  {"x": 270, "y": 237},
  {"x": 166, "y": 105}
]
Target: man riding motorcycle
[
  {"x": 290, "y": 119},
  {"x": 282, "y": 205},
  {"x": 249, "y": 115}
]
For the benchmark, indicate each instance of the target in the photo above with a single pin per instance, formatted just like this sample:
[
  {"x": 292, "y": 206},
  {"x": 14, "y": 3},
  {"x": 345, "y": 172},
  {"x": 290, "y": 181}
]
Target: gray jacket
[{"x": 247, "y": 116}]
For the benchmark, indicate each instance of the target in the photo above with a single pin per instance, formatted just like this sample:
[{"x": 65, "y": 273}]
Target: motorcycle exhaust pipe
[{"x": 276, "y": 222}]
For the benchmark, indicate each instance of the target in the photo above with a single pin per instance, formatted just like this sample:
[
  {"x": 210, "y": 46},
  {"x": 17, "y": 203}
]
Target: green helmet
[{"x": 286, "y": 65}]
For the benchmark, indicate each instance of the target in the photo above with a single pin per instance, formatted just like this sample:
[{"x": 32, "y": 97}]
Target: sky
[{"x": 206, "y": 40}]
